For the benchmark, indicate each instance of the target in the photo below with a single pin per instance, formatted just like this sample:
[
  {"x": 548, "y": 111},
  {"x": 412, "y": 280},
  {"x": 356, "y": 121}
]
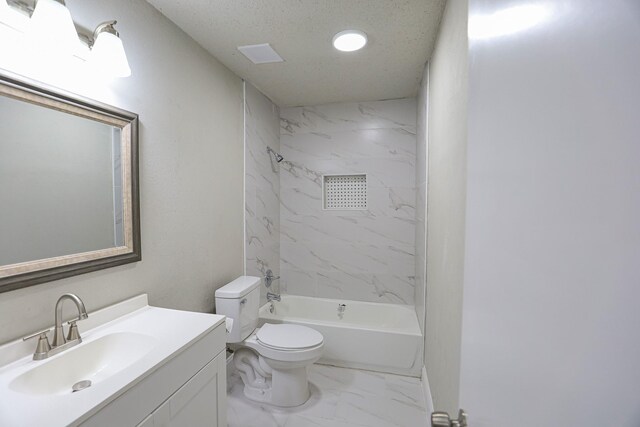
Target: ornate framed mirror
[{"x": 69, "y": 192}]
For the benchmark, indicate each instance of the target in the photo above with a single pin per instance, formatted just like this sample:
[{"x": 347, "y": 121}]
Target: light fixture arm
[
  {"x": 83, "y": 33},
  {"x": 105, "y": 27}
]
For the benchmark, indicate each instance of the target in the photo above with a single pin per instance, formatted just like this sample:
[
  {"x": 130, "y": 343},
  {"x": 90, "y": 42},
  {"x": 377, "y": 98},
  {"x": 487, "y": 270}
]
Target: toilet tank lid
[{"x": 239, "y": 287}]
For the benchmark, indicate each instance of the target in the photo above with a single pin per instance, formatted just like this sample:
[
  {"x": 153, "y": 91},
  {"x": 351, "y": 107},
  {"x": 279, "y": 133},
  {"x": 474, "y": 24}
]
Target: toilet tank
[{"x": 240, "y": 301}]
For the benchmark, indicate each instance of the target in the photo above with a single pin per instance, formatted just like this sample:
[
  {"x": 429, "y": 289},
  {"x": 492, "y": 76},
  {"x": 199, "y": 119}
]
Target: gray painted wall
[
  {"x": 447, "y": 130},
  {"x": 190, "y": 109}
]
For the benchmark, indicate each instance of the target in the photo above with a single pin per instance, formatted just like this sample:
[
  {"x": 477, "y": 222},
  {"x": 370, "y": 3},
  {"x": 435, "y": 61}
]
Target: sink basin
[
  {"x": 124, "y": 346},
  {"x": 93, "y": 361}
]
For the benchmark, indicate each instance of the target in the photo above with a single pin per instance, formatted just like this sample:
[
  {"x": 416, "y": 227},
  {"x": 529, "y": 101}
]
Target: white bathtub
[{"x": 373, "y": 336}]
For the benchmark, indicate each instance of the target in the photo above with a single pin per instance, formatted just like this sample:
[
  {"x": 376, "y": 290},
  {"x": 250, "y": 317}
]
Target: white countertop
[{"x": 171, "y": 330}]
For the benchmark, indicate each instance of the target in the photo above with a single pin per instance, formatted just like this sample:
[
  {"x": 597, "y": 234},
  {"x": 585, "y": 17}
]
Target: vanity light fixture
[
  {"x": 107, "y": 53},
  {"x": 51, "y": 30},
  {"x": 51, "y": 27},
  {"x": 349, "y": 40}
]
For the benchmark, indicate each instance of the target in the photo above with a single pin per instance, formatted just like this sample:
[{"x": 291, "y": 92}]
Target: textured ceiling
[{"x": 401, "y": 37}]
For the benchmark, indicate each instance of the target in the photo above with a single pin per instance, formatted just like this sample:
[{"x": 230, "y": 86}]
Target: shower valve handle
[{"x": 269, "y": 278}]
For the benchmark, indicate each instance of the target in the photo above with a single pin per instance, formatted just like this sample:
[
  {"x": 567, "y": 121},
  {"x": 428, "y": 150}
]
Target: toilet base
[
  {"x": 266, "y": 381},
  {"x": 290, "y": 387}
]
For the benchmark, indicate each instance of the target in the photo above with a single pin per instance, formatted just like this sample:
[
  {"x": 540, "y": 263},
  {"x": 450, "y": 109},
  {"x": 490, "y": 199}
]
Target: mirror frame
[{"x": 16, "y": 276}]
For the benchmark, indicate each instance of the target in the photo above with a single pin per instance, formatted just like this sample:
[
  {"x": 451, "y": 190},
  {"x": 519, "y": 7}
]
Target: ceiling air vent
[{"x": 260, "y": 53}]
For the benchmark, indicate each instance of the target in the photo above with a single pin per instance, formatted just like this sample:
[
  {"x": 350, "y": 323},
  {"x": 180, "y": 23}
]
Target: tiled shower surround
[
  {"x": 262, "y": 185},
  {"x": 365, "y": 255}
]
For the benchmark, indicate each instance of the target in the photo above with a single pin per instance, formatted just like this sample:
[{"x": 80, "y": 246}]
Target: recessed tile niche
[{"x": 343, "y": 192}]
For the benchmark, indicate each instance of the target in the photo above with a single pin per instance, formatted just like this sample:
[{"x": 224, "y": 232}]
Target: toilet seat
[
  {"x": 287, "y": 337},
  {"x": 285, "y": 354}
]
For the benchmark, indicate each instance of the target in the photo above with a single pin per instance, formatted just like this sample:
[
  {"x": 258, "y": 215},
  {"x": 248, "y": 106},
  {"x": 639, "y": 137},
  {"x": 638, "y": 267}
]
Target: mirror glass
[
  {"x": 60, "y": 183},
  {"x": 69, "y": 194}
]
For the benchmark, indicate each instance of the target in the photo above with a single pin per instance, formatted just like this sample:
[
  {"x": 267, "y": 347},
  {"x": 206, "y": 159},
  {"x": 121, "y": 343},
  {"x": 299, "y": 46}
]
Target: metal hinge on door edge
[{"x": 442, "y": 419}]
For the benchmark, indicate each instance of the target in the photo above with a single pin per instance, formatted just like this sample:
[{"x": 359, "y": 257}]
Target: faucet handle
[
  {"x": 41, "y": 334},
  {"x": 73, "y": 334},
  {"x": 43, "y": 347},
  {"x": 269, "y": 278},
  {"x": 78, "y": 319}
]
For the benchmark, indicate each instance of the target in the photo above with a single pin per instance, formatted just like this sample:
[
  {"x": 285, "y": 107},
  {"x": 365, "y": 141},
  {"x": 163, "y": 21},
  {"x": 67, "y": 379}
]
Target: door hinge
[{"x": 442, "y": 419}]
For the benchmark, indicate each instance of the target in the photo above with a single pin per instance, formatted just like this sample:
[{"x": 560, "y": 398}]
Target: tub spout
[
  {"x": 341, "y": 309},
  {"x": 273, "y": 297}
]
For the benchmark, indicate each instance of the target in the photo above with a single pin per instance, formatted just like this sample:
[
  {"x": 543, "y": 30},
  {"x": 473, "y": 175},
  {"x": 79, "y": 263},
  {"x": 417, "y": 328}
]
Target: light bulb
[
  {"x": 51, "y": 27},
  {"x": 108, "y": 56}
]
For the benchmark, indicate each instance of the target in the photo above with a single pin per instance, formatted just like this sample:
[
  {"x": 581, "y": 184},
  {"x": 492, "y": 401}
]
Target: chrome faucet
[
  {"x": 273, "y": 297},
  {"x": 60, "y": 343},
  {"x": 268, "y": 281},
  {"x": 58, "y": 334},
  {"x": 269, "y": 278}
]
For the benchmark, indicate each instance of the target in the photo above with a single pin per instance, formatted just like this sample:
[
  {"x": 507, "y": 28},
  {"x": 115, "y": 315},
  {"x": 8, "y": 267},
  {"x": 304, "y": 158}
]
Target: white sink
[
  {"x": 94, "y": 361},
  {"x": 122, "y": 344}
]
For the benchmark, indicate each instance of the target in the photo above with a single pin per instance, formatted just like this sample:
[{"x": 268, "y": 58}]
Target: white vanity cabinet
[
  {"x": 189, "y": 390},
  {"x": 147, "y": 366},
  {"x": 200, "y": 402}
]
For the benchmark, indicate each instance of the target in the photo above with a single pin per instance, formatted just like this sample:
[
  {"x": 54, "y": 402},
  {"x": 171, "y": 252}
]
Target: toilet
[{"x": 272, "y": 360}]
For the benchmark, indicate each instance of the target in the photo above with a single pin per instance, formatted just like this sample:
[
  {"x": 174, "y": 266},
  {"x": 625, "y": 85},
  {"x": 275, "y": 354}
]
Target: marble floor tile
[
  {"x": 340, "y": 397},
  {"x": 307, "y": 421},
  {"x": 352, "y": 380},
  {"x": 377, "y": 411},
  {"x": 406, "y": 389}
]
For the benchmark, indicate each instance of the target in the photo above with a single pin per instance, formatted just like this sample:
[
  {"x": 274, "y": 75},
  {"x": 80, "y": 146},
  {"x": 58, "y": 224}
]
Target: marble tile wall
[
  {"x": 365, "y": 255},
  {"x": 262, "y": 185}
]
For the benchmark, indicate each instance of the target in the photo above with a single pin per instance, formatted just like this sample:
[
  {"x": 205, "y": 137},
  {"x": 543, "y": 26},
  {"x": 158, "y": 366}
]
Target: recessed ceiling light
[{"x": 349, "y": 40}]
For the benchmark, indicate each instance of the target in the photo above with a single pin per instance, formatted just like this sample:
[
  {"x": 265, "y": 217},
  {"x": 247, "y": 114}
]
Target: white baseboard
[{"x": 428, "y": 400}]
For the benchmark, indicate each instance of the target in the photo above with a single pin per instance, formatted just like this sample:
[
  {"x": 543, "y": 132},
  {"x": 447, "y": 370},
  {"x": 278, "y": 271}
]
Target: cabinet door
[{"x": 202, "y": 401}]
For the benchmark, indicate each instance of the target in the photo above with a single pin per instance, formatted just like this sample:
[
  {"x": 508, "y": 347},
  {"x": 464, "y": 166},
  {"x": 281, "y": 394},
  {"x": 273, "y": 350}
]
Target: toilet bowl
[
  {"x": 273, "y": 363},
  {"x": 272, "y": 360}
]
